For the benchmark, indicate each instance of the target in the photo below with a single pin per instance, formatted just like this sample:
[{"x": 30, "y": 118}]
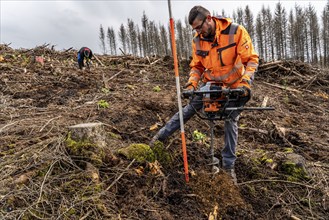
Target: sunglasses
[{"x": 198, "y": 28}]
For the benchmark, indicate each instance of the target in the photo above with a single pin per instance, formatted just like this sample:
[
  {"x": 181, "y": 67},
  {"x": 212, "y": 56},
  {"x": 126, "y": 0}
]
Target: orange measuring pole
[{"x": 174, "y": 51}]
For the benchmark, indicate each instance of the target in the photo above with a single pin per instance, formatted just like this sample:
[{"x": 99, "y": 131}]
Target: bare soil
[{"x": 40, "y": 180}]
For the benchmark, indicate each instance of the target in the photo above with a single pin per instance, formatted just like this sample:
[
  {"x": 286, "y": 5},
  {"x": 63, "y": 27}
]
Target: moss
[
  {"x": 161, "y": 154},
  {"x": 71, "y": 211},
  {"x": 7, "y": 150},
  {"x": 294, "y": 171},
  {"x": 251, "y": 189},
  {"x": 288, "y": 150},
  {"x": 140, "y": 152},
  {"x": 77, "y": 146},
  {"x": 86, "y": 150},
  {"x": 255, "y": 161},
  {"x": 112, "y": 135},
  {"x": 97, "y": 160},
  {"x": 269, "y": 161},
  {"x": 32, "y": 214}
]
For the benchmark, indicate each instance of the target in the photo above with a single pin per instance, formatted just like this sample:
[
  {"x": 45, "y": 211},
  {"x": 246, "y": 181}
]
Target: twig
[
  {"x": 254, "y": 129},
  {"x": 310, "y": 104},
  {"x": 68, "y": 49},
  {"x": 154, "y": 62},
  {"x": 147, "y": 57},
  {"x": 7, "y": 125},
  {"x": 122, "y": 51},
  {"x": 48, "y": 123},
  {"x": 283, "y": 87},
  {"x": 270, "y": 64},
  {"x": 98, "y": 60},
  {"x": 281, "y": 181},
  {"x": 139, "y": 65},
  {"x": 119, "y": 177},
  {"x": 44, "y": 180},
  {"x": 281, "y": 133},
  {"x": 86, "y": 215},
  {"x": 116, "y": 74},
  {"x": 99, "y": 194},
  {"x": 294, "y": 72}
]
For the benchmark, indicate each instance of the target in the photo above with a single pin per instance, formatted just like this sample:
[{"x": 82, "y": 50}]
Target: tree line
[{"x": 279, "y": 35}]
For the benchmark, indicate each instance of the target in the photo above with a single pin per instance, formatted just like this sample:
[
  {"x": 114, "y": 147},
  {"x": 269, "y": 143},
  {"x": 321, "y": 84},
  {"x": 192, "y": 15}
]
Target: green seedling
[
  {"x": 103, "y": 104},
  {"x": 105, "y": 90},
  {"x": 199, "y": 136},
  {"x": 156, "y": 89}
]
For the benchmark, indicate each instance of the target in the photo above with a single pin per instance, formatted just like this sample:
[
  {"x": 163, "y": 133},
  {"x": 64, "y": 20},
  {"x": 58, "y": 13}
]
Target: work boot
[
  {"x": 154, "y": 139},
  {"x": 231, "y": 173}
]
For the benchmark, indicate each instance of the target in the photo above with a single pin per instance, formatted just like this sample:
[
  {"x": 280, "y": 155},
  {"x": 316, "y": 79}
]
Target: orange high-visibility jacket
[{"x": 230, "y": 58}]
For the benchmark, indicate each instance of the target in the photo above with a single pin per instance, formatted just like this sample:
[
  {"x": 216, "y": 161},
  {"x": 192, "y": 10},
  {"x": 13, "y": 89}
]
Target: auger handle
[{"x": 189, "y": 93}]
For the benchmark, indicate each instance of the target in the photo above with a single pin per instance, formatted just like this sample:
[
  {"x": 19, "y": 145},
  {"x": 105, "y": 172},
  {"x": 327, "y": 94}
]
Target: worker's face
[{"x": 202, "y": 26}]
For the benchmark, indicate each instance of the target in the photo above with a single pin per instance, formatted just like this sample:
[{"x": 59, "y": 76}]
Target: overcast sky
[{"x": 65, "y": 23}]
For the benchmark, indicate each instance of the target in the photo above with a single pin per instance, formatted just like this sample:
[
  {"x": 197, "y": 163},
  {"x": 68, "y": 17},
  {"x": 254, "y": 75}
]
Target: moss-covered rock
[
  {"x": 161, "y": 154},
  {"x": 144, "y": 153},
  {"x": 140, "y": 152},
  {"x": 294, "y": 170}
]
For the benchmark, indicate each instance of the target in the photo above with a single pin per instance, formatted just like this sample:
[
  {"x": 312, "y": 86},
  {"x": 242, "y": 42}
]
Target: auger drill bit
[{"x": 214, "y": 160}]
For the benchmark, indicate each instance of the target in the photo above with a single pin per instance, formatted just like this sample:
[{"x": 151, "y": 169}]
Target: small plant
[
  {"x": 199, "y": 136},
  {"x": 156, "y": 89},
  {"x": 105, "y": 90},
  {"x": 103, "y": 104}
]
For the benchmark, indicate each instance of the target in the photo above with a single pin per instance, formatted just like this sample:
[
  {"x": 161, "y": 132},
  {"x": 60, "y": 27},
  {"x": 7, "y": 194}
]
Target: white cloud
[{"x": 76, "y": 23}]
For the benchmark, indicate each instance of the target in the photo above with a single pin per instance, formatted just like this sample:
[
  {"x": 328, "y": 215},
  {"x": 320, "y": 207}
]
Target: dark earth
[{"x": 133, "y": 97}]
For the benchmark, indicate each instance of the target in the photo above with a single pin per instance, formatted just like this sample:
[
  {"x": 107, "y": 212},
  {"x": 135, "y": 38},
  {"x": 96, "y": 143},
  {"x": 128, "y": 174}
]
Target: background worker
[
  {"x": 84, "y": 54},
  {"x": 222, "y": 52}
]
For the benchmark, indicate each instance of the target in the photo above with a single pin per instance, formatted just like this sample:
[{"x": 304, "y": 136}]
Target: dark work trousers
[
  {"x": 230, "y": 128},
  {"x": 80, "y": 60}
]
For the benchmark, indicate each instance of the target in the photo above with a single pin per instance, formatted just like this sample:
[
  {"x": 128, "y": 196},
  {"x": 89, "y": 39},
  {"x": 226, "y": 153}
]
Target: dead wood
[{"x": 283, "y": 87}]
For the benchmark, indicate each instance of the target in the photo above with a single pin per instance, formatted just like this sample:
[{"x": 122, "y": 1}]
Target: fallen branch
[
  {"x": 98, "y": 60},
  {"x": 294, "y": 72},
  {"x": 44, "y": 180},
  {"x": 48, "y": 123},
  {"x": 255, "y": 130},
  {"x": 267, "y": 68},
  {"x": 283, "y": 87},
  {"x": 280, "y": 181},
  {"x": 119, "y": 177},
  {"x": 270, "y": 64},
  {"x": 281, "y": 132},
  {"x": 68, "y": 49},
  {"x": 139, "y": 65},
  {"x": 154, "y": 62},
  {"x": 99, "y": 194},
  {"x": 116, "y": 74},
  {"x": 122, "y": 51},
  {"x": 7, "y": 125},
  {"x": 310, "y": 104}
]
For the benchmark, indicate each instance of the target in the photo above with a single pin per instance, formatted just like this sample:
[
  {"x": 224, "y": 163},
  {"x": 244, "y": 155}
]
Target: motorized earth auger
[{"x": 216, "y": 105}]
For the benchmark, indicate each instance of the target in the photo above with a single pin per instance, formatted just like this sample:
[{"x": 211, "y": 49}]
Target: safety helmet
[{"x": 86, "y": 53}]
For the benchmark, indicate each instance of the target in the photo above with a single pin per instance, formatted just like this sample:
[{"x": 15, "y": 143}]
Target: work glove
[
  {"x": 246, "y": 91},
  {"x": 188, "y": 90}
]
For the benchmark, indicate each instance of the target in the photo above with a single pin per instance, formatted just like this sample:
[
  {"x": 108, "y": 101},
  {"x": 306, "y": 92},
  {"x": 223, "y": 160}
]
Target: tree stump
[{"x": 87, "y": 143}]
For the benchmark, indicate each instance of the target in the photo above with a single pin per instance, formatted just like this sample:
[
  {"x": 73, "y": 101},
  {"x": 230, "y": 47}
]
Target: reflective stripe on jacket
[{"x": 229, "y": 58}]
